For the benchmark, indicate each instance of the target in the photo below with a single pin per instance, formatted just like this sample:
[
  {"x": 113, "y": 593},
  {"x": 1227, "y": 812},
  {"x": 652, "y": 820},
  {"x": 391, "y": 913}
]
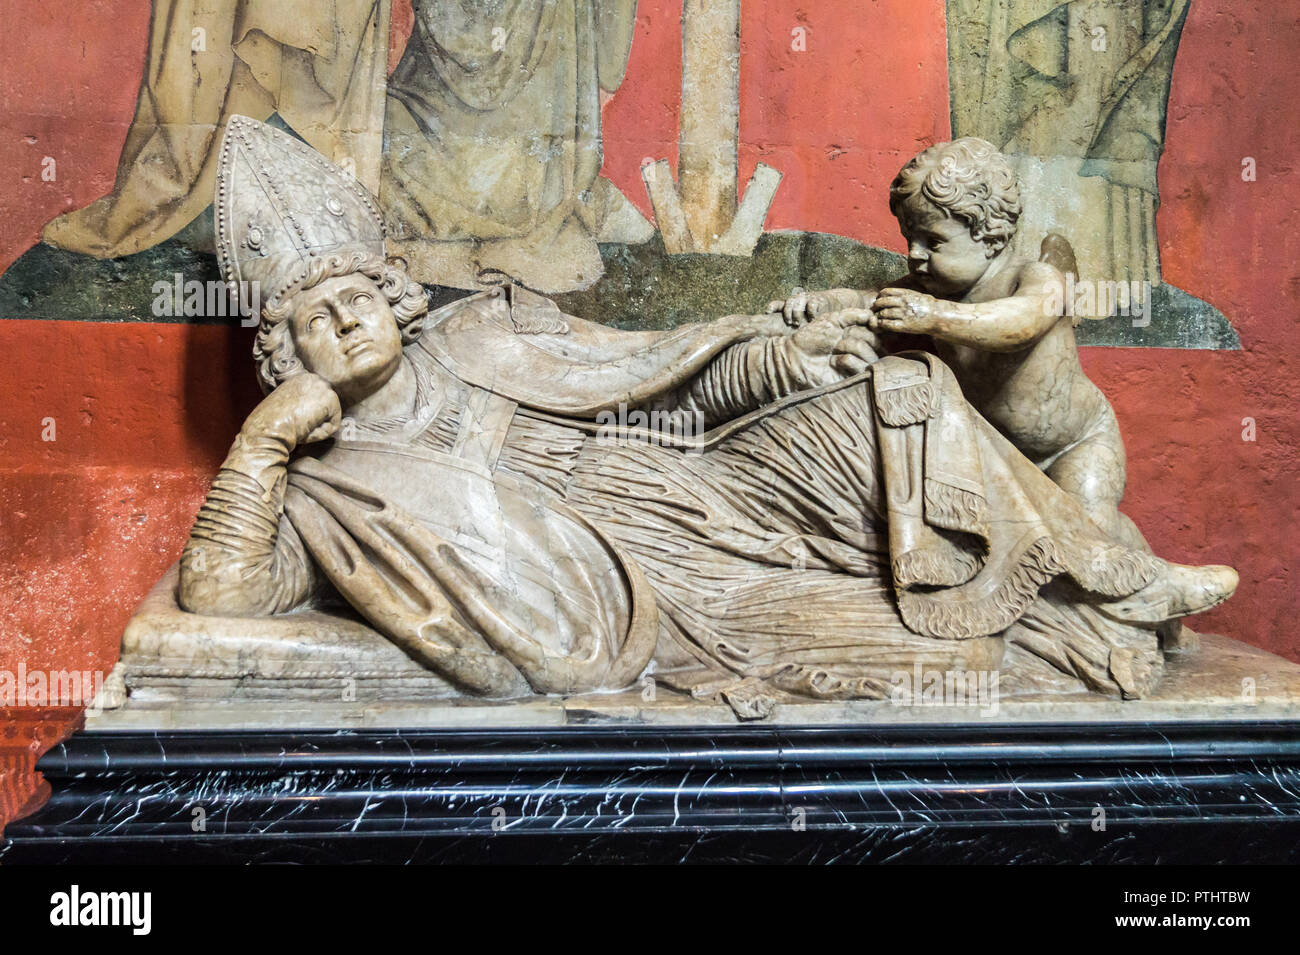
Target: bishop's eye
[{"x": 315, "y": 322}]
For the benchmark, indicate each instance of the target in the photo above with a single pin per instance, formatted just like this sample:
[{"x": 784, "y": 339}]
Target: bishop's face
[{"x": 344, "y": 331}]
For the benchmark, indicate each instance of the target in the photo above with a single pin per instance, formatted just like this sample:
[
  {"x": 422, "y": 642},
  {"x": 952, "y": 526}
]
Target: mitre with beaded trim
[{"x": 280, "y": 204}]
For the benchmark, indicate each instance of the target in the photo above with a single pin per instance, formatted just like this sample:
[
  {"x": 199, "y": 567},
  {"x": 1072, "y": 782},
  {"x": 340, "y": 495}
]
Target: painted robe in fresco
[
  {"x": 1076, "y": 91},
  {"x": 319, "y": 65},
  {"x": 492, "y": 140},
  {"x": 492, "y": 147}
]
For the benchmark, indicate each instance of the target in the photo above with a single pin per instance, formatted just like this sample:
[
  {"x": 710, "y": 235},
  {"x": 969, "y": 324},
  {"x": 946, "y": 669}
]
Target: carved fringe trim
[
  {"x": 910, "y": 404},
  {"x": 934, "y": 567},
  {"x": 955, "y": 508},
  {"x": 1115, "y": 572},
  {"x": 949, "y": 620}
]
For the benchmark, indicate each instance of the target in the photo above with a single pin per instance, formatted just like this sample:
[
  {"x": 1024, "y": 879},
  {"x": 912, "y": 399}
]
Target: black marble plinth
[{"x": 1185, "y": 792}]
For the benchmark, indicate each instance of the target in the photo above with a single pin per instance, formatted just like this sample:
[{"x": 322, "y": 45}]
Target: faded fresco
[
  {"x": 492, "y": 145},
  {"x": 319, "y": 67},
  {"x": 484, "y": 146},
  {"x": 1076, "y": 91}
]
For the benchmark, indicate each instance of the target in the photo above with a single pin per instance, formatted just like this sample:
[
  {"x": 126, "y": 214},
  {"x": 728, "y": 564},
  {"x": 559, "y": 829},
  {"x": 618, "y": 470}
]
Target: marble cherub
[{"x": 997, "y": 320}]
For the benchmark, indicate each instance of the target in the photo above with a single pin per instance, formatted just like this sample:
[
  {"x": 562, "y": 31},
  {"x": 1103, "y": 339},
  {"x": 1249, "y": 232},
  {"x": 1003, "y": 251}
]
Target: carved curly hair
[
  {"x": 970, "y": 180},
  {"x": 273, "y": 349}
]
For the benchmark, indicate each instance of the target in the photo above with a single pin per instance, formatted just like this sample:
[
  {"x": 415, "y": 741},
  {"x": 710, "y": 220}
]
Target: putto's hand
[
  {"x": 904, "y": 311},
  {"x": 793, "y": 309}
]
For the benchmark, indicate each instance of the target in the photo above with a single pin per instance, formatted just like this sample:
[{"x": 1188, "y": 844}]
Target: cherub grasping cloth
[{"x": 997, "y": 320}]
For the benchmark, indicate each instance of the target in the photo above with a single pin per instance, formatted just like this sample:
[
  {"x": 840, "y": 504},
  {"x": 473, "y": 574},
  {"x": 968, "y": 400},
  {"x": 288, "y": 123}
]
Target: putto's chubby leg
[{"x": 1095, "y": 471}]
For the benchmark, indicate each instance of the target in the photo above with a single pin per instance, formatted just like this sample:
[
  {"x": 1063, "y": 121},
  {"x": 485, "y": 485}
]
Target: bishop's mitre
[{"x": 280, "y": 204}]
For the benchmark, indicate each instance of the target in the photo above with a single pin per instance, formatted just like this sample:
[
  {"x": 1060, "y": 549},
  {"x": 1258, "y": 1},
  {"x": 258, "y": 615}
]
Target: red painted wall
[{"x": 144, "y": 412}]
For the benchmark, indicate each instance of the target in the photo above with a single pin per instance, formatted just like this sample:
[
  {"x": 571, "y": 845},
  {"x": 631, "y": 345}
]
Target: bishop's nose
[{"x": 347, "y": 321}]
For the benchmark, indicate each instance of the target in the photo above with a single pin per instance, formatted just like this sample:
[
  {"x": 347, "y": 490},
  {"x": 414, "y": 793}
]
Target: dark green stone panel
[{"x": 643, "y": 288}]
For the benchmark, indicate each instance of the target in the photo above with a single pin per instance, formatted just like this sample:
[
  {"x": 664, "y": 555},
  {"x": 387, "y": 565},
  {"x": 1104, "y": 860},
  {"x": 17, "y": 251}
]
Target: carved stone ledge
[
  {"x": 1089, "y": 792},
  {"x": 1224, "y": 680}
]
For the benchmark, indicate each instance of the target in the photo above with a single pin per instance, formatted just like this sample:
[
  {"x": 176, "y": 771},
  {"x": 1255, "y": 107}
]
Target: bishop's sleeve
[
  {"x": 244, "y": 558},
  {"x": 746, "y": 377}
]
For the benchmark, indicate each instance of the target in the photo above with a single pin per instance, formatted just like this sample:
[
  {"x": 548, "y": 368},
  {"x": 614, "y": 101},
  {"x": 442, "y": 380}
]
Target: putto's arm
[{"x": 1002, "y": 325}]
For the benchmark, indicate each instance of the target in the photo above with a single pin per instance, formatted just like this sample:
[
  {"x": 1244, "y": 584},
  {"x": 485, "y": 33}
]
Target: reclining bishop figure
[{"x": 526, "y": 502}]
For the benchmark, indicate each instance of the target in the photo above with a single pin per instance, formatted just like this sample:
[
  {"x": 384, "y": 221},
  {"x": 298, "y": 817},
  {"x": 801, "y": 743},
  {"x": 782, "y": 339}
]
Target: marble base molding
[
  {"x": 1099, "y": 792},
  {"x": 1215, "y": 679}
]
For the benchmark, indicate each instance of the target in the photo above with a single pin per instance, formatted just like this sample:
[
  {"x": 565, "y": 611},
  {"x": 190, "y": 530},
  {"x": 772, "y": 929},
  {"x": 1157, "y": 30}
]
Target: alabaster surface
[
  {"x": 497, "y": 500},
  {"x": 319, "y": 670}
]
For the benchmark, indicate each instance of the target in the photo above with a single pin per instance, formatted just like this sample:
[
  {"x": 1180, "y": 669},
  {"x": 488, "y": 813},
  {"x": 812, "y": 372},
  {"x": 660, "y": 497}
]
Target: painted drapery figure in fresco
[
  {"x": 492, "y": 151},
  {"x": 492, "y": 147},
  {"x": 1076, "y": 91},
  {"x": 804, "y": 520},
  {"x": 320, "y": 66}
]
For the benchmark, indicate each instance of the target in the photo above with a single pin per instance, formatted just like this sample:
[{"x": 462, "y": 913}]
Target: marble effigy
[{"x": 499, "y": 501}]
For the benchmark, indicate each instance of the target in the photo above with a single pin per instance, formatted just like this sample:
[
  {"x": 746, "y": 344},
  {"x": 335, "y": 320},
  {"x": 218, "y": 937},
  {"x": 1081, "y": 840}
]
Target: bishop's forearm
[
  {"x": 237, "y": 561},
  {"x": 748, "y": 376}
]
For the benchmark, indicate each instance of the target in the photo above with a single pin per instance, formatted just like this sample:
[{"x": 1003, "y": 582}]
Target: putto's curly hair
[
  {"x": 273, "y": 349},
  {"x": 970, "y": 180}
]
